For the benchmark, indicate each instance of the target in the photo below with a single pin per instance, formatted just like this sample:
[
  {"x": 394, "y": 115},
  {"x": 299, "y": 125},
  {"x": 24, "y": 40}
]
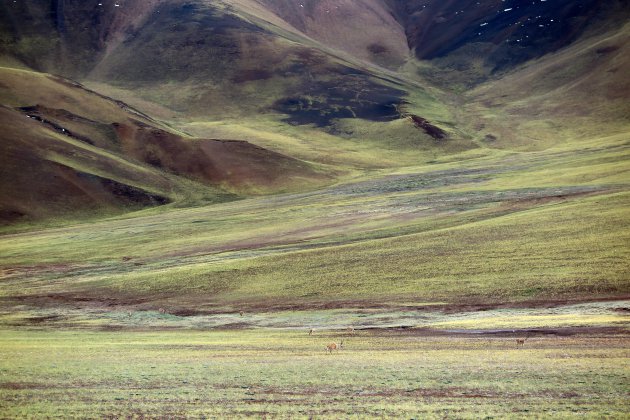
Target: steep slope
[
  {"x": 233, "y": 165},
  {"x": 578, "y": 93},
  {"x": 366, "y": 29},
  {"x": 46, "y": 174},
  {"x": 67, "y": 36},
  {"x": 213, "y": 62},
  {"x": 68, "y": 150},
  {"x": 470, "y": 40},
  {"x": 338, "y": 83},
  {"x": 215, "y": 59}
]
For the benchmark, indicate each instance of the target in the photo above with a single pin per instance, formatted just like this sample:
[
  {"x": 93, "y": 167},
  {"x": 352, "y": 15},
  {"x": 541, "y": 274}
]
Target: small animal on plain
[
  {"x": 334, "y": 346},
  {"x": 162, "y": 310},
  {"x": 520, "y": 342},
  {"x": 241, "y": 313},
  {"x": 129, "y": 314},
  {"x": 310, "y": 332},
  {"x": 351, "y": 330}
]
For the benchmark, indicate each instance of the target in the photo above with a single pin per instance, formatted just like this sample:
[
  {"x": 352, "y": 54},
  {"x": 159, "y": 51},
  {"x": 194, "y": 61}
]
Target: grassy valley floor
[{"x": 284, "y": 374}]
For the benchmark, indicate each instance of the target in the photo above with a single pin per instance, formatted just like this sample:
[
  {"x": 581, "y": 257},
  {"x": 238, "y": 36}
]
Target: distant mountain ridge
[{"x": 73, "y": 37}]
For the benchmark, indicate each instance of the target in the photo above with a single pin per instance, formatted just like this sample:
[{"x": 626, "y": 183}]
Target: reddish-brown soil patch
[
  {"x": 423, "y": 124},
  {"x": 560, "y": 198},
  {"x": 231, "y": 163}
]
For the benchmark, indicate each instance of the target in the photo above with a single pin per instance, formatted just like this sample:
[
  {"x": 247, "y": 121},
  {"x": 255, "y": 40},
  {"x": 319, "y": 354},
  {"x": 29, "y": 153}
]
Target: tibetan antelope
[
  {"x": 334, "y": 346},
  {"x": 520, "y": 342},
  {"x": 241, "y": 313},
  {"x": 350, "y": 330},
  {"x": 310, "y": 332},
  {"x": 162, "y": 310}
]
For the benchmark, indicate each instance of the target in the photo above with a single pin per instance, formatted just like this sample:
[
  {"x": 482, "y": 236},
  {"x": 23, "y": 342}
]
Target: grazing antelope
[
  {"x": 351, "y": 330},
  {"x": 310, "y": 332},
  {"x": 521, "y": 341},
  {"x": 241, "y": 313},
  {"x": 333, "y": 346},
  {"x": 162, "y": 310},
  {"x": 129, "y": 314}
]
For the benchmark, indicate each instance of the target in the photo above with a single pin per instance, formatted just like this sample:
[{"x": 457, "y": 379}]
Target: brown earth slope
[{"x": 66, "y": 149}]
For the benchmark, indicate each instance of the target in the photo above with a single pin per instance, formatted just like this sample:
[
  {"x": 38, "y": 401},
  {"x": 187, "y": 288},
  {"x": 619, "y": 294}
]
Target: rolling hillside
[
  {"x": 241, "y": 98},
  {"x": 68, "y": 151}
]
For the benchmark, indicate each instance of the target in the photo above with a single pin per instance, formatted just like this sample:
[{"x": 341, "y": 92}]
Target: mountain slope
[
  {"x": 319, "y": 89},
  {"x": 576, "y": 94},
  {"x": 46, "y": 174},
  {"x": 205, "y": 58},
  {"x": 470, "y": 40},
  {"x": 67, "y": 149},
  {"x": 366, "y": 29}
]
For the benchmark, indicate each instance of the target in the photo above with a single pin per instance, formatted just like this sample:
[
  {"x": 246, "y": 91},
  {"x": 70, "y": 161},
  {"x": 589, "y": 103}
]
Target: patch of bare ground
[
  {"x": 548, "y": 303},
  {"x": 594, "y": 332},
  {"x": 430, "y": 129},
  {"x": 29, "y": 270},
  {"x": 425, "y": 392},
  {"x": 236, "y": 163},
  {"x": 394, "y": 304},
  {"x": 23, "y": 385},
  {"x": 69, "y": 299},
  {"x": 192, "y": 306},
  {"x": 286, "y": 395},
  {"x": 530, "y": 202}
]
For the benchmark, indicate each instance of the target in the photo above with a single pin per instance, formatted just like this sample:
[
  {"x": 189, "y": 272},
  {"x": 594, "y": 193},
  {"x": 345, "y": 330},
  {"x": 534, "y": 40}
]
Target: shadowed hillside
[
  {"x": 576, "y": 94},
  {"x": 202, "y": 59},
  {"x": 67, "y": 36},
  {"x": 473, "y": 39}
]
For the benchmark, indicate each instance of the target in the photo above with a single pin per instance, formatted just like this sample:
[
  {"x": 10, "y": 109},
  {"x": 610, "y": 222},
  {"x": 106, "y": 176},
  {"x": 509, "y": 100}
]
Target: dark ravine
[
  {"x": 128, "y": 193},
  {"x": 513, "y": 31},
  {"x": 433, "y": 131},
  {"x": 58, "y": 15},
  {"x": 33, "y": 112}
]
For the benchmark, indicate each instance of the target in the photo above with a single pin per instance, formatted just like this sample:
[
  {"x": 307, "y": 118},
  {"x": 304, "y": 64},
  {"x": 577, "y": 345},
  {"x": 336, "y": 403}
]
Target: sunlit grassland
[
  {"x": 491, "y": 227},
  {"x": 288, "y": 374},
  {"x": 527, "y": 255},
  {"x": 521, "y": 257},
  {"x": 360, "y": 145}
]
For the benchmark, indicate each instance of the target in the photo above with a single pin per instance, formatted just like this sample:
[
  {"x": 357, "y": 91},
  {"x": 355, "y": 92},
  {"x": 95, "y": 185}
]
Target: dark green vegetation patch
[{"x": 347, "y": 96}]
